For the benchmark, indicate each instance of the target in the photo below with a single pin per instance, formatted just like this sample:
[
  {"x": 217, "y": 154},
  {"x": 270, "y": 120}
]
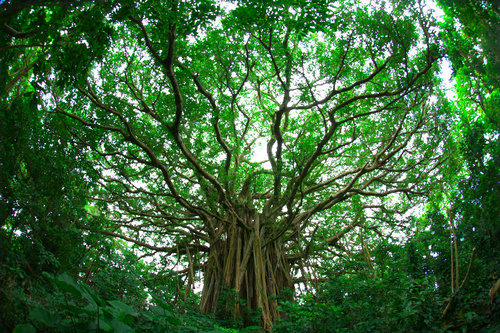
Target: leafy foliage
[
  {"x": 43, "y": 197},
  {"x": 83, "y": 310},
  {"x": 276, "y": 152},
  {"x": 469, "y": 30}
]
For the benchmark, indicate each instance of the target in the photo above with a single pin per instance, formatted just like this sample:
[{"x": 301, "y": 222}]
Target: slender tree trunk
[{"x": 238, "y": 263}]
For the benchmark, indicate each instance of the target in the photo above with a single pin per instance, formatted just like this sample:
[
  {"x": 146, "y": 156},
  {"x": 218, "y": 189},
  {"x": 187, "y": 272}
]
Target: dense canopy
[{"x": 279, "y": 165}]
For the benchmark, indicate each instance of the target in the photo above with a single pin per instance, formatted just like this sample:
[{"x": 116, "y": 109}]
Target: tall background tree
[
  {"x": 45, "y": 178},
  {"x": 471, "y": 31}
]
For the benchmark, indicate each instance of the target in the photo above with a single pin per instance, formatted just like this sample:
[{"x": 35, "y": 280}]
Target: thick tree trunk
[{"x": 238, "y": 262}]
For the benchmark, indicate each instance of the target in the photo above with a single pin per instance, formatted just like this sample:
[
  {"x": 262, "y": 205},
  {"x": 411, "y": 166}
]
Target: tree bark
[{"x": 247, "y": 273}]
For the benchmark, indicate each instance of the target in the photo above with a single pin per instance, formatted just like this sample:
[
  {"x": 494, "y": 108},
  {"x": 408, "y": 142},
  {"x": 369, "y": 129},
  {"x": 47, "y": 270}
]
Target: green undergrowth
[
  {"x": 75, "y": 307},
  {"x": 344, "y": 304}
]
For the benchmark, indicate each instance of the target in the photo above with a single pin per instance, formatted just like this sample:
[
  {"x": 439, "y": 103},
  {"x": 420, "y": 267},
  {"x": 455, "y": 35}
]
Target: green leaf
[
  {"x": 127, "y": 309},
  {"x": 122, "y": 312},
  {"x": 119, "y": 326},
  {"x": 102, "y": 326},
  {"x": 24, "y": 328},
  {"x": 161, "y": 303},
  {"x": 166, "y": 315},
  {"x": 69, "y": 285},
  {"x": 91, "y": 296},
  {"x": 156, "y": 310},
  {"x": 44, "y": 316},
  {"x": 66, "y": 283},
  {"x": 77, "y": 311}
]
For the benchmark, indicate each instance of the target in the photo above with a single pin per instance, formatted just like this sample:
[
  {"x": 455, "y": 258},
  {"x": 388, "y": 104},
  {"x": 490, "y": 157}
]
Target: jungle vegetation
[{"x": 270, "y": 166}]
